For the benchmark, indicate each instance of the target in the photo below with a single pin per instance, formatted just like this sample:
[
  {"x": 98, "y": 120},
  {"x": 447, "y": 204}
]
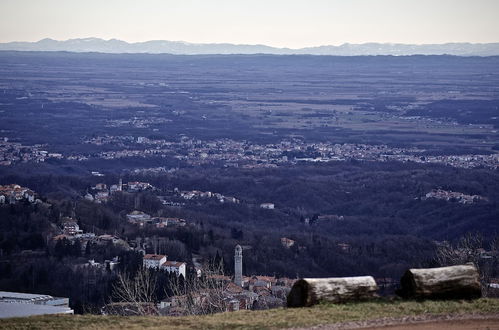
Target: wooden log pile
[
  {"x": 454, "y": 282},
  {"x": 310, "y": 291}
]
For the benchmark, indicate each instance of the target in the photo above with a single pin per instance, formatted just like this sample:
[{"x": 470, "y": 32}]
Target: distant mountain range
[{"x": 180, "y": 47}]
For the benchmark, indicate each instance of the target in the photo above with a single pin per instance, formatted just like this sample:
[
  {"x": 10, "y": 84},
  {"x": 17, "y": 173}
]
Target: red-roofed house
[
  {"x": 176, "y": 267},
  {"x": 153, "y": 260}
]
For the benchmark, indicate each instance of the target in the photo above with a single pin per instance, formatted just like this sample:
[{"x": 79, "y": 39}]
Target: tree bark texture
[
  {"x": 310, "y": 291},
  {"x": 454, "y": 282}
]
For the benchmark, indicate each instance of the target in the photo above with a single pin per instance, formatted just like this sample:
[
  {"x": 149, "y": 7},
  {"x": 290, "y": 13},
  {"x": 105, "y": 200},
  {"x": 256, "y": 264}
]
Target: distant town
[{"x": 232, "y": 153}]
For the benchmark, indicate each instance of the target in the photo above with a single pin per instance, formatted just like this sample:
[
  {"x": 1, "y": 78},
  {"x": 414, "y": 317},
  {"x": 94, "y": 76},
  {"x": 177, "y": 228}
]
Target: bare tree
[
  {"x": 469, "y": 249},
  {"x": 138, "y": 291},
  {"x": 201, "y": 295}
]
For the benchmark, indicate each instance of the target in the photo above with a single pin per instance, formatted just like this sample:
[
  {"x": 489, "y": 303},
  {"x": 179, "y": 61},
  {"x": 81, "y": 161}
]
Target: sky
[{"x": 280, "y": 23}]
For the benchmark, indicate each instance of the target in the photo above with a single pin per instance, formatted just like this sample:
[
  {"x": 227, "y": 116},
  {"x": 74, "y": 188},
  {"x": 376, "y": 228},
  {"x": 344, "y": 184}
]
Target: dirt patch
[{"x": 422, "y": 322}]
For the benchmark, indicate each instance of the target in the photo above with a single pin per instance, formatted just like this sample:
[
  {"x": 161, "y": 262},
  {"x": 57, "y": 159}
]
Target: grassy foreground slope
[{"x": 267, "y": 319}]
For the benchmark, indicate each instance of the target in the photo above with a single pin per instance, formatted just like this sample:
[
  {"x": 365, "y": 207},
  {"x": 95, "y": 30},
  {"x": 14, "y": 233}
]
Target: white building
[
  {"x": 138, "y": 186},
  {"x": 176, "y": 267},
  {"x": 114, "y": 188},
  {"x": 159, "y": 261},
  {"x": 71, "y": 227},
  {"x": 30, "y": 196},
  {"x": 89, "y": 197},
  {"x": 268, "y": 206},
  {"x": 153, "y": 260}
]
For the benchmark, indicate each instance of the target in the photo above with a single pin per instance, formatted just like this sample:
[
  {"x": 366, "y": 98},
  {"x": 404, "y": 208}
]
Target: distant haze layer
[
  {"x": 278, "y": 23},
  {"x": 179, "y": 47}
]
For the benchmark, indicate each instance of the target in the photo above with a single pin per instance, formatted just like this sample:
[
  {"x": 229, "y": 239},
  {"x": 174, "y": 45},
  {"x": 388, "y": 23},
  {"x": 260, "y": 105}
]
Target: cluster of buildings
[
  {"x": 243, "y": 153},
  {"x": 165, "y": 200},
  {"x": 14, "y": 152},
  {"x": 257, "y": 292},
  {"x": 137, "y": 122},
  {"x": 120, "y": 141},
  {"x": 194, "y": 194},
  {"x": 453, "y": 196},
  {"x": 460, "y": 161},
  {"x": 101, "y": 192},
  {"x": 190, "y": 195},
  {"x": 152, "y": 170},
  {"x": 71, "y": 231},
  {"x": 330, "y": 217},
  {"x": 14, "y": 193},
  {"x": 142, "y": 219},
  {"x": 229, "y": 152},
  {"x": 106, "y": 265},
  {"x": 230, "y": 294},
  {"x": 159, "y": 261}
]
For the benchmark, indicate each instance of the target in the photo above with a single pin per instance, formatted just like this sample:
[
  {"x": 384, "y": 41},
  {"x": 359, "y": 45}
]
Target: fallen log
[
  {"x": 310, "y": 291},
  {"x": 454, "y": 282}
]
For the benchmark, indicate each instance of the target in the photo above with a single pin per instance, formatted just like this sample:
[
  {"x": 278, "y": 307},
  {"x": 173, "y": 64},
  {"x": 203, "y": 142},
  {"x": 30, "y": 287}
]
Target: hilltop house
[
  {"x": 159, "y": 261},
  {"x": 100, "y": 186},
  {"x": 176, "y": 267},
  {"x": 287, "y": 242},
  {"x": 153, "y": 260},
  {"x": 70, "y": 227}
]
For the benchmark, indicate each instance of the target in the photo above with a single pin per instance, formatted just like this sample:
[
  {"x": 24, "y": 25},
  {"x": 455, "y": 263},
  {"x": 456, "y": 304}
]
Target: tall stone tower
[{"x": 238, "y": 265}]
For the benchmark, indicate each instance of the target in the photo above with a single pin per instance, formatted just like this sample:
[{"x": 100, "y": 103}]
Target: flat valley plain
[
  {"x": 433, "y": 102},
  {"x": 357, "y": 154}
]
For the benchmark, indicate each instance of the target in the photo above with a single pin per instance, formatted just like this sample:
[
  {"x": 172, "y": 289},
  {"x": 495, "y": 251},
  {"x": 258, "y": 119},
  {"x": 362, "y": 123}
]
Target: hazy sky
[{"x": 286, "y": 23}]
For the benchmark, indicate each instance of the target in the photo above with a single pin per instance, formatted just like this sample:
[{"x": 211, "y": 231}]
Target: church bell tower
[{"x": 238, "y": 265}]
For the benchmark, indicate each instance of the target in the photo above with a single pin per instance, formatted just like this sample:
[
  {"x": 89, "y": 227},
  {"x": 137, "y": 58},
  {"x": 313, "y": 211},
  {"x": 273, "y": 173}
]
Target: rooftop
[
  {"x": 5, "y": 295},
  {"x": 173, "y": 263},
  {"x": 154, "y": 256}
]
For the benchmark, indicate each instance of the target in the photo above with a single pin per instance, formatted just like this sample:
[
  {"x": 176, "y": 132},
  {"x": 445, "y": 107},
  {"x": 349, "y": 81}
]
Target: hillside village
[
  {"x": 15, "y": 152},
  {"x": 254, "y": 292},
  {"x": 71, "y": 241},
  {"x": 14, "y": 193},
  {"x": 100, "y": 192},
  {"x": 231, "y": 294},
  {"x": 454, "y": 196}
]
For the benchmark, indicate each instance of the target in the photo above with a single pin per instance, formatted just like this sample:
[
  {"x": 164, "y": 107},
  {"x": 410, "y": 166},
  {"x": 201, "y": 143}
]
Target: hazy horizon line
[{"x": 252, "y": 44}]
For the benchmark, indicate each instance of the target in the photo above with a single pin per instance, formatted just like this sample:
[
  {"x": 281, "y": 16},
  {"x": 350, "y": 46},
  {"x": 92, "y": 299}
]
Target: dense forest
[{"x": 378, "y": 223}]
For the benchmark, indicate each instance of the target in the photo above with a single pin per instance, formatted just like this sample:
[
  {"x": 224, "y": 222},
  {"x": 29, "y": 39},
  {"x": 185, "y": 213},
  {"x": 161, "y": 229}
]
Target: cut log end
[{"x": 299, "y": 294}]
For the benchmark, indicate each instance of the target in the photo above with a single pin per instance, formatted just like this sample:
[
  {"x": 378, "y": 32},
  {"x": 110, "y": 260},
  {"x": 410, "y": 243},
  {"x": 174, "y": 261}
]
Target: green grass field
[{"x": 268, "y": 319}]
